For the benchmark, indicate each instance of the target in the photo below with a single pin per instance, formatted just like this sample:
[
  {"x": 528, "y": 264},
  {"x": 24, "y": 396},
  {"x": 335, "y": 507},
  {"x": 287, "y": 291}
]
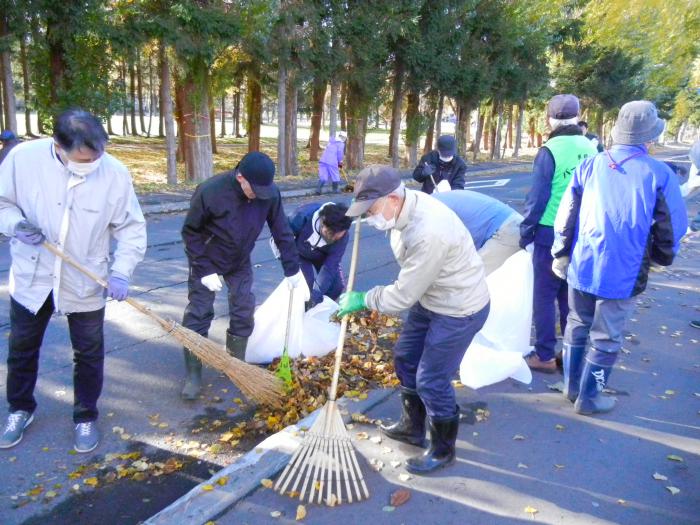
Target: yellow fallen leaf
[
  {"x": 275, "y": 514},
  {"x": 163, "y": 425},
  {"x": 50, "y": 494},
  {"x": 301, "y": 512},
  {"x": 659, "y": 477},
  {"x": 36, "y": 491},
  {"x": 332, "y": 501},
  {"x": 207, "y": 488},
  {"x": 222, "y": 480},
  {"x": 673, "y": 490},
  {"x": 531, "y": 510},
  {"x": 362, "y": 435},
  {"x": 362, "y": 396},
  {"x": 559, "y": 427},
  {"x": 93, "y": 482},
  {"x": 673, "y": 457},
  {"x": 267, "y": 483},
  {"x": 670, "y": 392},
  {"x": 125, "y": 437},
  {"x": 238, "y": 401}
]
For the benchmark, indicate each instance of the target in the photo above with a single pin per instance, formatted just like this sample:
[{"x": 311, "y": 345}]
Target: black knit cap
[{"x": 259, "y": 170}]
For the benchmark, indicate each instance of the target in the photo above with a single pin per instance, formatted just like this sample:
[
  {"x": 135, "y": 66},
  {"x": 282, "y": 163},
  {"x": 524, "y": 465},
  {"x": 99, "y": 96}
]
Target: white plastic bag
[
  {"x": 443, "y": 187},
  {"x": 496, "y": 352},
  {"x": 267, "y": 340},
  {"x": 320, "y": 334}
]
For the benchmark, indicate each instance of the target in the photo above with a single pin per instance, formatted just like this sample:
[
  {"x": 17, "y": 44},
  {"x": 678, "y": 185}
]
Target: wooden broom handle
[
  {"x": 344, "y": 320},
  {"x": 99, "y": 280}
]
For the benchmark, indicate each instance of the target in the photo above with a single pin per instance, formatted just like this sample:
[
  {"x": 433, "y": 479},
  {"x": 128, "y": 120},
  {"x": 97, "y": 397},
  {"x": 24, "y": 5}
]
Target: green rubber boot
[{"x": 193, "y": 379}]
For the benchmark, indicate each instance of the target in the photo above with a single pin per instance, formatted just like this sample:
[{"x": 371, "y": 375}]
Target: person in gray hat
[
  {"x": 622, "y": 212},
  {"x": 9, "y": 140},
  {"x": 440, "y": 165},
  {"x": 432, "y": 246},
  {"x": 551, "y": 172}
]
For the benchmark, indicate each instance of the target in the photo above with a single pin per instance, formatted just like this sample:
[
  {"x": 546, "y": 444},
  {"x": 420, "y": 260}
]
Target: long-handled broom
[
  {"x": 326, "y": 460},
  {"x": 255, "y": 383}
]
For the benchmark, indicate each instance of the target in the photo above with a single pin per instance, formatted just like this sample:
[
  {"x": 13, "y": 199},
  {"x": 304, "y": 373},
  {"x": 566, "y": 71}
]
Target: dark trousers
[
  {"x": 548, "y": 288},
  {"x": 428, "y": 353},
  {"x": 310, "y": 269},
  {"x": 199, "y": 312},
  {"x": 601, "y": 320},
  {"x": 26, "y": 335}
]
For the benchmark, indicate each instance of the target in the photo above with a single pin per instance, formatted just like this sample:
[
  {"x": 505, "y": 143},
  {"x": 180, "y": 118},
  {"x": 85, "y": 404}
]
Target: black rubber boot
[
  {"x": 335, "y": 187},
  {"x": 595, "y": 375},
  {"x": 193, "y": 378},
  {"x": 411, "y": 426},
  {"x": 236, "y": 345},
  {"x": 319, "y": 189},
  {"x": 572, "y": 365},
  {"x": 443, "y": 437}
]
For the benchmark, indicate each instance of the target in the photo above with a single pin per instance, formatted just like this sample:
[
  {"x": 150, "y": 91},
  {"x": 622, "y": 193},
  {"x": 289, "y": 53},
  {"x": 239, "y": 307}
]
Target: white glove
[
  {"x": 530, "y": 248},
  {"x": 213, "y": 282},
  {"x": 559, "y": 266},
  {"x": 443, "y": 187},
  {"x": 294, "y": 280},
  {"x": 275, "y": 250}
]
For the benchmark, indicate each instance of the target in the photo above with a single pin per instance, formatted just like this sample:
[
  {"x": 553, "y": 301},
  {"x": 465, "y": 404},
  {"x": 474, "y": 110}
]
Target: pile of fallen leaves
[{"x": 367, "y": 363}]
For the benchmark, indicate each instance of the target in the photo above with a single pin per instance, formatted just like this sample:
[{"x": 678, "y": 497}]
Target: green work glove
[{"x": 351, "y": 302}]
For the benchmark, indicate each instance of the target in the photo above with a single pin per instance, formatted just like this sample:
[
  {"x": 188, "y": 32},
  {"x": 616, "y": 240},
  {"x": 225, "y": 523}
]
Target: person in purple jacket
[
  {"x": 621, "y": 213},
  {"x": 331, "y": 163}
]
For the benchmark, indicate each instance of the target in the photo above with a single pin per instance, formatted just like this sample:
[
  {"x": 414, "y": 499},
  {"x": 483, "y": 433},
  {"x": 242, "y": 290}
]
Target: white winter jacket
[{"x": 78, "y": 214}]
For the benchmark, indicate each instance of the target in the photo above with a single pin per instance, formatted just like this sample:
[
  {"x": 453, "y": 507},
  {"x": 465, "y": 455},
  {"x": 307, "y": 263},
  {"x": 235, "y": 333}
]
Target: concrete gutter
[{"x": 266, "y": 460}]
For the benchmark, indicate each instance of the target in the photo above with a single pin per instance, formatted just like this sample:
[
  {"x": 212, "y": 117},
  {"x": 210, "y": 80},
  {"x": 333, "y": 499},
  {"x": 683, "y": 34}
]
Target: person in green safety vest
[{"x": 552, "y": 169}]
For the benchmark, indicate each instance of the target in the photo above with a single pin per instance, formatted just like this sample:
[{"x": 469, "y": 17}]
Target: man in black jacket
[
  {"x": 441, "y": 165},
  {"x": 227, "y": 213}
]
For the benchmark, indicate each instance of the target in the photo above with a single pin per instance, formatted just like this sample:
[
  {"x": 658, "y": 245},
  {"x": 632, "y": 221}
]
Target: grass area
[{"x": 145, "y": 157}]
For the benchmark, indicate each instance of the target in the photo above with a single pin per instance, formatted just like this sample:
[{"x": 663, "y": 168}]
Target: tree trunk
[
  {"x": 487, "y": 129},
  {"x": 125, "y": 109},
  {"x": 183, "y": 126},
  {"x": 496, "y": 150},
  {"x": 139, "y": 85},
  {"x": 463, "y": 113},
  {"x": 57, "y": 61},
  {"x": 519, "y": 130},
  {"x": 342, "y": 106},
  {"x": 291, "y": 126},
  {"x": 212, "y": 126},
  {"x": 413, "y": 128},
  {"x": 8, "y": 88},
  {"x": 356, "y": 114},
  {"x": 531, "y": 131},
  {"x": 166, "y": 103},
  {"x": 161, "y": 112},
  {"x": 333, "y": 110},
  {"x": 237, "y": 114},
  {"x": 198, "y": 146},
  {"x": 438, "y": 119},
  {"x": 319, "y": 95},
  {"x": 396, "y": 103},
  {"x": 25, "y": 85},
  {"x": 479, "y": 131},
  {"x": 282, "y": 120},
  {"x": 2, "y": 111},
  {"x": 254, "y": 110},
  {"x": 509, "y": 128},
  {"x": 433, "y": 97},
  {"x": 151, "y": 94},
  {"x": 223, "y": 116},
  {"x": 132, "y": 97}
]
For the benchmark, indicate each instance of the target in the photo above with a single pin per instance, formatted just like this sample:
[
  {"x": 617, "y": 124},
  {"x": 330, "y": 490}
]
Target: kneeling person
[{"x": 442, "y": 283}]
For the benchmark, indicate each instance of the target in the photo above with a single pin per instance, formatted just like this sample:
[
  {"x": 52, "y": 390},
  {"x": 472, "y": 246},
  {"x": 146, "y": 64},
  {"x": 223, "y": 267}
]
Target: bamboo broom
[
  {"x": 254, "y": 382},
  {"x": 326, "y": 460}
]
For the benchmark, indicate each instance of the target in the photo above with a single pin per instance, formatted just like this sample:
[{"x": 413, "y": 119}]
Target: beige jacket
[
  {"x": 80, "y": 214},
  {"x": 439, "y": 264}
]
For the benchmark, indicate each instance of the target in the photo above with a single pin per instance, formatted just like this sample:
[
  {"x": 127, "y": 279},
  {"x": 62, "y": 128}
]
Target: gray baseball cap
[
  {"x": 563, "y": 107},
  {"x": 637, "y": 123},
  {"x": 372, "y": 183}
]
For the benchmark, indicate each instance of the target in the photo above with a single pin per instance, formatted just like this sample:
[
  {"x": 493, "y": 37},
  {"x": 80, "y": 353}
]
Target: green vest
[{"x": 568, "y": 152}]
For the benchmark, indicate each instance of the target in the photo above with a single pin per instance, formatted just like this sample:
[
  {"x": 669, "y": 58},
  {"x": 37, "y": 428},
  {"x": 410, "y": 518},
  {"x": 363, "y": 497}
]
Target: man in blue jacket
[
  {"x": 565, "y": 148},
  {"x": 320, "y": 232},
  {"x": 227, "y": 213},
  {"x": 622, "y": 212}
]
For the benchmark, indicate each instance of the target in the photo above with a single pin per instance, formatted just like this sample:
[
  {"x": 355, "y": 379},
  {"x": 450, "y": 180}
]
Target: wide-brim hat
[{"x": 637, "y": 123}]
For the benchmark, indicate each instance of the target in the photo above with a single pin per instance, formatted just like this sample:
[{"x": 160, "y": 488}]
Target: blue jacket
[
  {"x": 327, "y": 259},
  {"x": 614, "y": 221}
]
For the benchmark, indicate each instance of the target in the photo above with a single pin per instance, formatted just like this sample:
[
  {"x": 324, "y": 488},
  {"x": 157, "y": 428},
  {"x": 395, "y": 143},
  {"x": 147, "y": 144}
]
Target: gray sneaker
[
  {"x": 14, "y": 428},
  {"x": 87, "y": 437}
]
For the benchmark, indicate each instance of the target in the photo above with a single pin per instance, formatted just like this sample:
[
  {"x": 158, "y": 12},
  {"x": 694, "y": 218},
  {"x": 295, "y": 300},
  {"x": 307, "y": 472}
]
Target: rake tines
[{"x": 324, "y": 462}]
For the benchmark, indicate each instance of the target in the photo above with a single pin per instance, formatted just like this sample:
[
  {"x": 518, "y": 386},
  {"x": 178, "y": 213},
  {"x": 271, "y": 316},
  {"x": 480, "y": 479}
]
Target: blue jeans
[
  {"x": 428, "y": 354},
  {"x": 26, "y": 335}
]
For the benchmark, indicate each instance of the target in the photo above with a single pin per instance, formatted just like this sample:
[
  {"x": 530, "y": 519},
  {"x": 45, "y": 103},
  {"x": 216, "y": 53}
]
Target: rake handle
[
  {"x": 99, "y": 280},
  {"x": 344, "y": 321}
]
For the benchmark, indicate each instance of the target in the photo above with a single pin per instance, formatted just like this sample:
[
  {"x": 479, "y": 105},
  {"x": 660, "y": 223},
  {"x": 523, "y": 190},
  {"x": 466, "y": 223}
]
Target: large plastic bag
[
  {"x": 496, "y": 352},
  {"x": 320, "y": 334},
  {"x": 267, "y": 340}
]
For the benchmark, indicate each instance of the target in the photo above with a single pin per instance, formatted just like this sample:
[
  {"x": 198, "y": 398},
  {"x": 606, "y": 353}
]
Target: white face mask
[
  {"x": 83, "y": 169},
  {"x": 379, "y": 222},
  {"x": 446, "y": 159}
]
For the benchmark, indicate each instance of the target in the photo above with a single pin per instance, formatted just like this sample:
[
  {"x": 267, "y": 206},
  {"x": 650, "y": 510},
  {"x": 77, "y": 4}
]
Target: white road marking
[{"x": 494, "y": 183}]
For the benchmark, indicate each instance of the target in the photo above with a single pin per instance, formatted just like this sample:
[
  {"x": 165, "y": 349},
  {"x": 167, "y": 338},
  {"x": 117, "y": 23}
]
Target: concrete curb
[{"x": 266, "y": 460}]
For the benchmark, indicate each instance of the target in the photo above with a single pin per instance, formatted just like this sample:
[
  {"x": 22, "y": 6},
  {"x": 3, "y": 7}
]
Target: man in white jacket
[
  {"x": 443, "y": 287},
  {"x": 68, "y": 191}
]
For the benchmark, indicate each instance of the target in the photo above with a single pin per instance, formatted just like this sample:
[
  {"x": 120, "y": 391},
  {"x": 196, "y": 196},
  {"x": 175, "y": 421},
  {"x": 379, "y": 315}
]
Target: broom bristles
[
  {"x": 325, "y": 462},
  {"x": 254, "y": 382}
]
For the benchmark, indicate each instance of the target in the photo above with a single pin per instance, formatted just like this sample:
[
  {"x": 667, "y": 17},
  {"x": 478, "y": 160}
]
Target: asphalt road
[{"x": 143, "y": 379}]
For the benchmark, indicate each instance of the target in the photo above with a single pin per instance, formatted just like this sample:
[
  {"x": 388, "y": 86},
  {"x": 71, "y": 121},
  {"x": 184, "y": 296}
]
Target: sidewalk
[{"x": 523, "y": 454}]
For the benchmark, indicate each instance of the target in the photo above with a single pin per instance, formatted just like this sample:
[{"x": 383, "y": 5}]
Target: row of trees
[{"x": 493, "y": 62}]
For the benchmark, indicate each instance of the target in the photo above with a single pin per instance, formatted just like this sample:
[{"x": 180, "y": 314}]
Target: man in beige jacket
[
  {"x": 443, "y": 286},
  {"x": 67, "y": 190}
]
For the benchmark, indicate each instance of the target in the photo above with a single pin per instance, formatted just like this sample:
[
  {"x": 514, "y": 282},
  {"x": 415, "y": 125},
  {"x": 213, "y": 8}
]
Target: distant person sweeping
[
  {"x": 442, "y": 169},
  {"x": 331, "y": 163}
]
